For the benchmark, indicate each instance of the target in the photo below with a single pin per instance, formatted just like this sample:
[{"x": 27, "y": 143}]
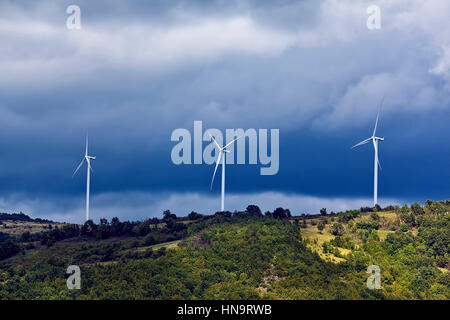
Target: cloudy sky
[{"x": 137, "y": 70}]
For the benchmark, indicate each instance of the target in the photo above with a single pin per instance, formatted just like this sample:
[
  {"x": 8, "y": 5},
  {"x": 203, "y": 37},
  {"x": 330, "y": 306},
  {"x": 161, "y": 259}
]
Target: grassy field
[
  {"x": 163, "y": 224},
  {"x": 315, "y": 239},
  {"x": 167, "y": 245},
  {"x": 383, "y": 234},
  {"x": 156, "y": 247},
  {"x": 16, "y": 228},
  {"x": 72, "y": 248}
]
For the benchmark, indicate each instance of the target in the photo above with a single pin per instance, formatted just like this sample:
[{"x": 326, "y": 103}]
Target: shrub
[
  {"x": 404, "y": 227},
  {"x": 320, "y": 226},
  {"x": 343, "y": 242},
  {"x": 26, "y": 236},
  {"x": 348, "y": 215},
  {"x": 368, "y": 225}
]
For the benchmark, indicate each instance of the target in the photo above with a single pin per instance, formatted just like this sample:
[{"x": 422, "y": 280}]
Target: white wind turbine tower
[
  {"x": 88, "y": 159},
  {"x": 374, "y": 140},
  {"x": 221, "y": 156}
]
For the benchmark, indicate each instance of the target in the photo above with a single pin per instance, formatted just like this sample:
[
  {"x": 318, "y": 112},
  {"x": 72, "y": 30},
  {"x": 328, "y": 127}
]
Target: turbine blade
[
  {"x": 78, "y": 168},
  {"x": 87, "y": 142},
  {"x": 233, "y": 141},
  {"x": 378, "y": 116},
  {"x": 220, "y": 148},
  {"x": 375, "y": 146},
  {"x": 215, "y": 169},
  {"x": 361, "y": 143}
]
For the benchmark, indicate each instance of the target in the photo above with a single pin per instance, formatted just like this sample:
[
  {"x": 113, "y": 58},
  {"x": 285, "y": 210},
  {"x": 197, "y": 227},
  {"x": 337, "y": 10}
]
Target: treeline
[
  {"x": 323, "y": 212},
  {"x": 171, "y": 227},
  {"x": 250, "y": 211},
  {"x": 21, "y": 217},
  {"x": 157, "y": 230},
  {"x": 153, "y": 230}
]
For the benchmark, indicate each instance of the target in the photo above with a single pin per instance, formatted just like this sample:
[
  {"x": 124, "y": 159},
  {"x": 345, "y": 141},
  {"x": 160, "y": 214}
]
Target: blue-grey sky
[{"x": 137, "y": 70}]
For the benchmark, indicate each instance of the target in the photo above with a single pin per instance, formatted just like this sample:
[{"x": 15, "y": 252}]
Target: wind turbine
[
  {"x": 88, "y": 159},
  {"x": 221, "y": 156},
  {"x": 374, "y": 140}
]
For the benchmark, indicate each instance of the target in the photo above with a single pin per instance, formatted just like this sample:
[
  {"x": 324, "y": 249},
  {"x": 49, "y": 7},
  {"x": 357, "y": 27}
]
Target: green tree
[
  {"x": 337, "y": 229},
  {"x": 26, "y": 236},
  {"x": 417, "y": 209},
  {"x": 404, "y": 227},
  {"x": 253, "y": 211},
  {"x": 194, "y": 216},
  {"x": 168, "y": 215}
]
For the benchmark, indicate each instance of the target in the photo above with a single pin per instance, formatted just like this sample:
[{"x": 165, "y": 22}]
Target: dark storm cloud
[{"x": 138, "y": 70}]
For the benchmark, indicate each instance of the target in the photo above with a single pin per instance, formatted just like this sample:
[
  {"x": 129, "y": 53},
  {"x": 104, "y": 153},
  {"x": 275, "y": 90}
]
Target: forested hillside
[{"x": 241, "y": 255}]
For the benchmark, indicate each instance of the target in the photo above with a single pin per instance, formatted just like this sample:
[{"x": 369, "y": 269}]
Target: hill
[{"x": 243, "y": 255}]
